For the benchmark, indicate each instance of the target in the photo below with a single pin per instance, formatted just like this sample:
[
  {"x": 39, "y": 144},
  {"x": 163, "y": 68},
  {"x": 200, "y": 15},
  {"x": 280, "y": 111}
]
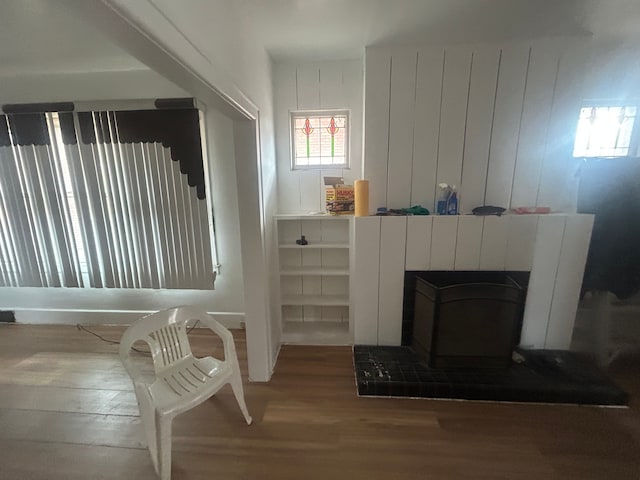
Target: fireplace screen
[{"x": 466, "y": 319}]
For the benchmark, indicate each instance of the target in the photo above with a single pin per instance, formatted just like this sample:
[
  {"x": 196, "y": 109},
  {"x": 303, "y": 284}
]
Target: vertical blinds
[{"x": 95, "y": 200}]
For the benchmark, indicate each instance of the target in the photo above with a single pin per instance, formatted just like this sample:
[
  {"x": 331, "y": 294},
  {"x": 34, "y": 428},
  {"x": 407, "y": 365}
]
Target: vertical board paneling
[
  {"x": 353, "y": 91},
  {"x": 366, "y": 255},
  {"x": 558, "y": 183},
  {"x": 455, "y": 90},
  {"x": 311, "y": 190},
  {"x": 331, "y": 86},
  {"x": 311, "y": 285},
  {"x": 335, "y": 257},
  {"x": 331, "y": 96},
  {"x": 426, "y": 126},
  {"x": 541, "y": 282},
  {"x": 286, "y": 98},
  {"x": 308, "y": 87},
  {"x": 326, "y": 85},
  {"x": 391, "y": 284},
  {"x": 335, "y": 314},
  {"x": 308, "y": 94},
  {"x": 401, "y": 113},
  {"x": 514, "y": 63},
  {"x": 312, "y": 230},
  {"x": 482, "y": 91},
  {"x": 376, "y": 146},
  {"x": 494, "y": 243},
  {"x": 468, "y": 243},
  {"x": 291, "y": 285},
  {"x": 418, "y": 242},
  {"x": 288, "y": 233},
  {"x": 335, "y": 231},
  {"x": 522, "y": 236},
  {"x": 566, "y": 293},
  {"x": 443, "y": 242},
  {"x": 541, "y": 80},
  {"x": 290, "y": 313}
]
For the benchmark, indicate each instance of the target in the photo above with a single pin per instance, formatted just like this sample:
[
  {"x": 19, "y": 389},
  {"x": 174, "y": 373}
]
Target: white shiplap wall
[
  {"x": 552, "y": 247},
  {"x": 498, "y": 121},
  {"x": 312, "y": 86}
]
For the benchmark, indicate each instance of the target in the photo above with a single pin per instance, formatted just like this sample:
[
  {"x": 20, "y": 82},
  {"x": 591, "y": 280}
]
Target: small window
[
  {"x": 320, "y": 139},
  {"x": 604, "y": 131}
]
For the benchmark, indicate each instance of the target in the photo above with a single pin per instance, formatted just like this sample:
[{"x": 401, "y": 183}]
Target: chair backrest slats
[
  {"x": 166, "y": 334},
  {"x": 172, "y": 343}
]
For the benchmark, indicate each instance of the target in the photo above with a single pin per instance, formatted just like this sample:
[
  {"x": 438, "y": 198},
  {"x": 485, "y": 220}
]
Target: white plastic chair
[{"x": 182, "y": 381}]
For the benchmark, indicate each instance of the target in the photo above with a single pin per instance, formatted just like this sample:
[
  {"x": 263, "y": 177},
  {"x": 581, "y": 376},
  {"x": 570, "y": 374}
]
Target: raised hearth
[{"x": 548, "y": 376}]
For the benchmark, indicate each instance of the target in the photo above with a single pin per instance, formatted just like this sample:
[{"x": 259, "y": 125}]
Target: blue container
[
  {"x": 441, "y": 207},
  {"x": 452, "y": 204}
]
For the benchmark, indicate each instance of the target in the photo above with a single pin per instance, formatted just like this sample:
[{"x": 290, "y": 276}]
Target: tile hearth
[{"x": 547, "y": 376}]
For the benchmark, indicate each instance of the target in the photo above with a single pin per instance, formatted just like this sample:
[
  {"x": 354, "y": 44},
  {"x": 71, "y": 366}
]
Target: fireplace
[
  {"x": 552, "y": 247},
  {"x": 464, "y": 319}
]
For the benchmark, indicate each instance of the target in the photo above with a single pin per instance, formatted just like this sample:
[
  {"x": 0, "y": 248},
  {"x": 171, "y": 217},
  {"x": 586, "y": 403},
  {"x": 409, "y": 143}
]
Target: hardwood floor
[{"x": 67, "y": 411}]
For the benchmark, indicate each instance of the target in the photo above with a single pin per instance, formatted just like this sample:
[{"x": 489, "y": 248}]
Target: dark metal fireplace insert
[{"x": 466, "y": 319}]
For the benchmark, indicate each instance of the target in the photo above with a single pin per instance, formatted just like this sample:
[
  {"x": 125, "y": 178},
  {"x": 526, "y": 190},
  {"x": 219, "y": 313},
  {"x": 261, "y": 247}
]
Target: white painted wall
[
  {"x": 229, "y": 292},
  {"x": 121, "y": 306},
  {"x": 228, "y": 58},
  {"x": 315, "y": 86},
  {"x": 613, "y": 72},
  {"x": 497, "y": 120},
  {"x": 106, "y": 85}
]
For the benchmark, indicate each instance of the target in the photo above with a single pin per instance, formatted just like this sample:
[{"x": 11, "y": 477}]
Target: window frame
[
  {"x": 295, "y": 114},
  {"x": 634, "y": 141}
]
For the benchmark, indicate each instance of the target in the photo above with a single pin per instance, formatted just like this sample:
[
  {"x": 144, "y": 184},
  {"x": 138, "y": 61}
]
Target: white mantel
[{"x": 552, "y": 247}]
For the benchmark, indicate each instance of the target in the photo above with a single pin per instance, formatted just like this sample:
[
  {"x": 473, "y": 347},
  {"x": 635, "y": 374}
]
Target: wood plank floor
[{"x": 67, "y": 411}]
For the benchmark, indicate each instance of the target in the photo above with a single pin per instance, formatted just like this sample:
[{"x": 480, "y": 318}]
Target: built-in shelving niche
[{"x": 314, "y": 279}]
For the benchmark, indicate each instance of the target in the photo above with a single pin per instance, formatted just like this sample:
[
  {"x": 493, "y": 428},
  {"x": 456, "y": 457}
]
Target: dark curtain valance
[
  {"x": 5, "y": 139},
  {"x": 610, "y": 189},
  {"x": 26, "y": 129},
  {"x": 175, "y": 125},
  {"x": 177, "y": 129}
]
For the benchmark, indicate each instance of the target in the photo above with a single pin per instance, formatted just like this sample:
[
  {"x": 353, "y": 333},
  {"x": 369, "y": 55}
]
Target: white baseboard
[{"x": 44, "y": 316}]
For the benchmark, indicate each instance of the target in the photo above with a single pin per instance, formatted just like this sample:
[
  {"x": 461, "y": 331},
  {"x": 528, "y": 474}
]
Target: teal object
[{"x": 416, "y": 210}]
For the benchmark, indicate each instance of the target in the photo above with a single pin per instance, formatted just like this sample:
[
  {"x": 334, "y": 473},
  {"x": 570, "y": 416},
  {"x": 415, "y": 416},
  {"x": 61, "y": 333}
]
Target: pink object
[{"x": 529, "y": 210}]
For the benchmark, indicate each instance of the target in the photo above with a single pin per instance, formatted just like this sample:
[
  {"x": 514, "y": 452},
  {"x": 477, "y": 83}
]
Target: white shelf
[
  {"x": 316, "y": 333},
  {"x": 329, "y": 271},
  {"x": 318, "y": 300},
  {"x": 320, "y": 216},
  {"x": 315, "y": 245},
  {"x": 326, "y": 267}
]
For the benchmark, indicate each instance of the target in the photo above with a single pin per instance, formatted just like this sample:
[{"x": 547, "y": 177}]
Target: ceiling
[
  {"x": 343, "y": 28},
  {"x": 39, "y": 36}
]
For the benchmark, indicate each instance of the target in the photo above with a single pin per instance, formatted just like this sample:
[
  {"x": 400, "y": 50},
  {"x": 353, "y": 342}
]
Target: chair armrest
[
  {"x": 223, "y": 333},
  {"x": 126, "y": 344},
  {"x": 136, "y": 375}
]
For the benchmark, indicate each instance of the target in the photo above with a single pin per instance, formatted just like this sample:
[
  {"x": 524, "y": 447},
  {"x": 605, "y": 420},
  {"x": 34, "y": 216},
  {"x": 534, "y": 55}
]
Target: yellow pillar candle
[{"x": 361, "y": 188}]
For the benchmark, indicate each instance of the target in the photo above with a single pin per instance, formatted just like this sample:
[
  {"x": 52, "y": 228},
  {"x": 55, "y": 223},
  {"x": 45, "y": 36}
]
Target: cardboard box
[{"x": 339, "y": 198}]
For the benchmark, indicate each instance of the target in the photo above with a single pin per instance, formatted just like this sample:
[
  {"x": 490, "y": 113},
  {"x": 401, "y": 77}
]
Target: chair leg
[
  {"x": 236, "y": 385},
  {"x": 163, "y": 442},
  {"x": 149, "y": 422}
]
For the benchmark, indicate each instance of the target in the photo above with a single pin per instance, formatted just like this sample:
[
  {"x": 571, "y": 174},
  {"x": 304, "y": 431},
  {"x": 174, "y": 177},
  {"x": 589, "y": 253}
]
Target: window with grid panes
[
  {"x": 605, "y": 131},
  {"x": 320, "y": 139}
]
